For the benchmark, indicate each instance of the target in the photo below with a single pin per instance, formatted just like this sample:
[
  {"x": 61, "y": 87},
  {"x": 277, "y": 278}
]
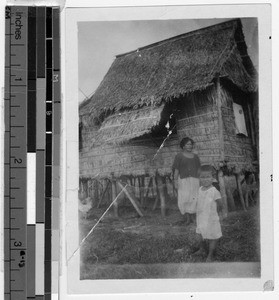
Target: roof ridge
[{"x": 177, "y": 37}]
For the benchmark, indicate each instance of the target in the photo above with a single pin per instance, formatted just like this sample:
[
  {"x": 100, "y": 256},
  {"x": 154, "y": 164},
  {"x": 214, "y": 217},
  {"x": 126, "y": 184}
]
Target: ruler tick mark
[
  {"x": 17, "y": 249},
  {"x": 18, "y": 167}
]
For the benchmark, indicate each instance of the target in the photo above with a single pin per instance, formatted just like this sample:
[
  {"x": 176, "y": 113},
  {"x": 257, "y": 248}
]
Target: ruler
[{"x": 31, "y": 151}]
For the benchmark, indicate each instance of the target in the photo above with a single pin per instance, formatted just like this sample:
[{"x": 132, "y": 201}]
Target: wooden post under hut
[
  {"x": 223, "y": 189},
  {"x": 155, "y": 193},
  {"x": 89, "y": 187},
  {"x": 149, "y": 187},
  {"x": 239, "y": 188},
  {"x": 141, "y": 189},
  {"x": 160, "y": 183},
  {"x": 114, "y": 195},
  {"x": 230, "y": 199},
  {"x": 105, "y": 188},
  {"x": 95, "y": 192}
]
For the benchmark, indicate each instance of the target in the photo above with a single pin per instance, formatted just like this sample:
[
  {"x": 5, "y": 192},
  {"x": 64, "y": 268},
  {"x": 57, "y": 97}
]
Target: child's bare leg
[
  {"x": 188, "y": 220},
  {"x": 183, "y": 220},
  {"x": 193, "y": 218},
  {"x": 212, "y": 247},
  {"x": 201, "y": 245},
  {"x": 251, "y": 196}
]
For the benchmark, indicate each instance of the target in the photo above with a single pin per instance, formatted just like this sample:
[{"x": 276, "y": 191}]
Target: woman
[{"x": 186, "y": 177}]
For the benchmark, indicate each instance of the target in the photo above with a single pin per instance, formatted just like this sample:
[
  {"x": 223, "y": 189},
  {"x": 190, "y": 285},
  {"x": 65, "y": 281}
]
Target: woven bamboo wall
[
  {"x": 135, "y": 158},
  {"x": 239, "y": 151},
  {"x": 197, "y": 118}
]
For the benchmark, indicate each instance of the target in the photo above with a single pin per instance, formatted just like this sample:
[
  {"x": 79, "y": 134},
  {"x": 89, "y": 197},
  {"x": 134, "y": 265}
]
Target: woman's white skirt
[{"x": 188, "y": 194}]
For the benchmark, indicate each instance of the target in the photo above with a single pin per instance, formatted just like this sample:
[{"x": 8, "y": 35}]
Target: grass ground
[{"x": 130, "y": 240}]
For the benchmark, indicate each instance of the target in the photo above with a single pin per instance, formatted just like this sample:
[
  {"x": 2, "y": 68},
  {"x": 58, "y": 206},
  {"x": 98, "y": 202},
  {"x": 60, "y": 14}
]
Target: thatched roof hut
[
  {"x": 188, "y": 85},
  {"x": 139, "y": 82}
]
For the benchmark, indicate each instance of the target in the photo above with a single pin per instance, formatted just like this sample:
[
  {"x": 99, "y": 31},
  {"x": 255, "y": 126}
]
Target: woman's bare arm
[
  {"x": 221, "y": 208},
  {"x": 175, "y": 178}
]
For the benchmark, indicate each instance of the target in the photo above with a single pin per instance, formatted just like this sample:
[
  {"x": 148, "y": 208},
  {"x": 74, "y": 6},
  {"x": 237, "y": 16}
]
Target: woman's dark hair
[{"x": 184, "y": 141}]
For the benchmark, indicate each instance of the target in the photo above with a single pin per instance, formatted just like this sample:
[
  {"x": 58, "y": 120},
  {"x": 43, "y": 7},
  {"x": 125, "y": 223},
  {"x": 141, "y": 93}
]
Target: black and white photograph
[
  {"x": 169, "y": 149},
  {"x": 159, "y": 115}
]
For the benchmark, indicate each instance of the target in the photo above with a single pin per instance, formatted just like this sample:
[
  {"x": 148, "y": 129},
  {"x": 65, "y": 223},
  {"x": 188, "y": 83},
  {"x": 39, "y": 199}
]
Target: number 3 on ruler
[{"x": 55, "y": 78}]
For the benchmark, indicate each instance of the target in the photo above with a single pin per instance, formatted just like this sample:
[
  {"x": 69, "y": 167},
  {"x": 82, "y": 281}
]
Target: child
[{"x": 208, "y": 204}]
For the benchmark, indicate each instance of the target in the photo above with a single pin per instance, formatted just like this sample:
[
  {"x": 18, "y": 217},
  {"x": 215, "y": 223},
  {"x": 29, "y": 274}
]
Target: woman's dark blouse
[{"x": 187, "y": 167}]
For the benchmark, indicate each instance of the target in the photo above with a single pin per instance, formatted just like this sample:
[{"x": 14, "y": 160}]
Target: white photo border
[{"x": 70, "y": 219}]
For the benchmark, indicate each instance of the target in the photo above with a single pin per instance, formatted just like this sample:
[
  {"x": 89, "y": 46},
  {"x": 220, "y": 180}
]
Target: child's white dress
[{"x": 208, "y": 224}]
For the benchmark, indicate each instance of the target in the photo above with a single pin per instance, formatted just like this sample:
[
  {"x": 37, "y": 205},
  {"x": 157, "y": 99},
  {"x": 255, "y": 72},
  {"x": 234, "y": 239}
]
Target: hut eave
[{"x": 121, "y": 127}]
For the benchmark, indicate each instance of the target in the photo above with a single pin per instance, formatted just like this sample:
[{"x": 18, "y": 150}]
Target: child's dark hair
[
  {"x": 184, "y": 141},
  {"x": 207, "y": 168}
]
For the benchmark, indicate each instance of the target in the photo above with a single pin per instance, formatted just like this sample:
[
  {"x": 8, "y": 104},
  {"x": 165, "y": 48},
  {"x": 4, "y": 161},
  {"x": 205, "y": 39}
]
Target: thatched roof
[
  {"x": 175, "y": 66},
  {"x": 128, "y": 125},
  {"x": 161, "y": 72}
]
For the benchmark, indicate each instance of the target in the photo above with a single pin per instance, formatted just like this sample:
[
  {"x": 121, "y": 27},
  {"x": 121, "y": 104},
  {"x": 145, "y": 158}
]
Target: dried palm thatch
[
  {"x": 165, "y": 70},
  {"x": 124, "y": 126}
]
